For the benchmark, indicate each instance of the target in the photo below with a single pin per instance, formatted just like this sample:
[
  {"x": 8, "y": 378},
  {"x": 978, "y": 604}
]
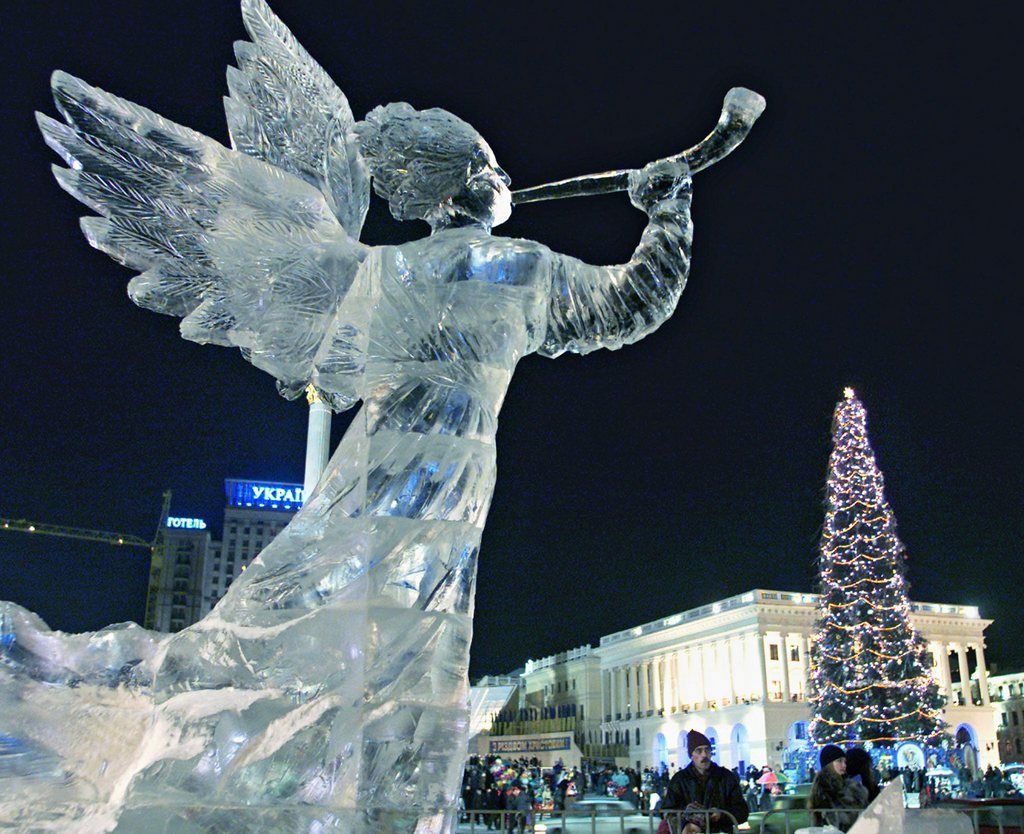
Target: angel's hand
[{"x": 666, "y": 179}]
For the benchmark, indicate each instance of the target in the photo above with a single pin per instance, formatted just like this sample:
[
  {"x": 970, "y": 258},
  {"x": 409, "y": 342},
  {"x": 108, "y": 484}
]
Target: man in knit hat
[{"x": 703, "y": 786}]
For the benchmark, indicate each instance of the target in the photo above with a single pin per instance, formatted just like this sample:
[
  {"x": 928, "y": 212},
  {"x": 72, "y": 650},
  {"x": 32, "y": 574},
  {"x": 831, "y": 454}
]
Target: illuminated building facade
[
  {"x": 1007, "y": 693},
  {"x": 255, "y": 512},
  {"x": 186, "y": 543},
  {"x": 737, "y": 671}
]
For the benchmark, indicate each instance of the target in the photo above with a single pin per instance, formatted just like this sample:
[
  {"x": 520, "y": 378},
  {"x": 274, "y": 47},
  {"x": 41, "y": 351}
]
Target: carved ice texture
[{"x": 327, "y": 691}]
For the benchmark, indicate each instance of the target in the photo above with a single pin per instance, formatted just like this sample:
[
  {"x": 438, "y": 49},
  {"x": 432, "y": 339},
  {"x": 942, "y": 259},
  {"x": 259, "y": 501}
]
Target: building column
[
  {"x": 947, "y": 674},
  {"x": 965, "y": 676},
  {"x": 701, "y": 694},
  {"x": 762, "y": 652},
  {"x": 606, "y": 704},
  {"x": 677, "y": 690},
  {"x": 659, "y": 695},
  {"x": 979, "y": 654},
  {"x": 749, "y": 666},
  {"x": 801, "y": 690},
  {"x": 643, "y": 688},
  {"x": 730, "y": 662},
  {"x": 613, "y": 692},
  {"x": 669, "y": 682},
  {"x": 784, "y": 650}
]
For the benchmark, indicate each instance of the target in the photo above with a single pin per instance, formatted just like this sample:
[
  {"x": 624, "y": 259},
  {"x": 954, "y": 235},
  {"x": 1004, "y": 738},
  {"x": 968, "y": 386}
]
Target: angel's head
[{"x": 430, "y": 165}]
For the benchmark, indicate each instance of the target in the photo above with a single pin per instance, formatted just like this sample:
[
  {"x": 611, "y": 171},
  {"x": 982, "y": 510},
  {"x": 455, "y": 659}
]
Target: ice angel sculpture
[{"x": 327, "y": 690}]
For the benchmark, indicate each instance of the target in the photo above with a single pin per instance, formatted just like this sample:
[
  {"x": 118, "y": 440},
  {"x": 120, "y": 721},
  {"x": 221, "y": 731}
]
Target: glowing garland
[{"x": 921, "y": 712}]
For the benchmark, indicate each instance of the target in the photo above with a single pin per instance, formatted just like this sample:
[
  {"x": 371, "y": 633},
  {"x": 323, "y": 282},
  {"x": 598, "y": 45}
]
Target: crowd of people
[
  {"x": 493, "y": 783},
  {"x": 843, "y": 785}
]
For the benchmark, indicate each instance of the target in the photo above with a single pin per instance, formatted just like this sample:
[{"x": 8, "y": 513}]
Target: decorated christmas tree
[{"x": 870, "y": 680}]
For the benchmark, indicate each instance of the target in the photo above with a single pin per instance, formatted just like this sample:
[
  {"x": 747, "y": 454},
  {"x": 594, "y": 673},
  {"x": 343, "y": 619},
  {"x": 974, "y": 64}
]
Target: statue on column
[{"x": 327, "y": 690}]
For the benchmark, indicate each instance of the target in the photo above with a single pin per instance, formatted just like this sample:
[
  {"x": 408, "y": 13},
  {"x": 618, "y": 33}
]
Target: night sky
[{"x": 866, "y": 234}]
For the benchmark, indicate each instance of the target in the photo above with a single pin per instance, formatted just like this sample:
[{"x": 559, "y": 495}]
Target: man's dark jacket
[{"x": 720, "y": 790}]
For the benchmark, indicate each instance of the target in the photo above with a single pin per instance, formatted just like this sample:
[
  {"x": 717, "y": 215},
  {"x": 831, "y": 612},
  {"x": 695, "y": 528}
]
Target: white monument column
[
  {"x": 965, "y": 676},
  {"x": 979, "y": 655},
  {"x": 318, "y": 440}
]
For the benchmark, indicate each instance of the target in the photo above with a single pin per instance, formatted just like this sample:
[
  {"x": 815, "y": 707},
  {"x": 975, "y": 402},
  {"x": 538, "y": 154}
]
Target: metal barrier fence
[
  {"x": 989, "y": 819},
  {"x": 587, "y": 821}
]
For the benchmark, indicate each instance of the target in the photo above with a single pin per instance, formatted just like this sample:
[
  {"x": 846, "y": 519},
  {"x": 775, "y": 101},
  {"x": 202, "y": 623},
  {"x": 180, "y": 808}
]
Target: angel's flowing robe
[{"x": 327, "y": 691}]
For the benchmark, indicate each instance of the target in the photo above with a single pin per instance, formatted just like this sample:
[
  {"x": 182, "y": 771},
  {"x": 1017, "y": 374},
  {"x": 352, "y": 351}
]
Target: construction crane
[{"x": 155, "y": 547}]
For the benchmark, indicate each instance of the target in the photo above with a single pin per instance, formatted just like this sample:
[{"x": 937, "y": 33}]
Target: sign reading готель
[{"x": 185, "y": 523}]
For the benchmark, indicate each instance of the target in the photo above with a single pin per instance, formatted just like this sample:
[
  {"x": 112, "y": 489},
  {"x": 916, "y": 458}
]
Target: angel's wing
[
  {"x": 285, "y": 110},
  {"x": 250, "y": 255}
]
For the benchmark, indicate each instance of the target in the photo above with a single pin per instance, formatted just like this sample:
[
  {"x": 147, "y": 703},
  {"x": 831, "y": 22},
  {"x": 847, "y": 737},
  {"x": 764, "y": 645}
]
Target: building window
[
  {"x": 637, "y": 736},
  {"x": 1016, "y": 718},
  {"x": 794, "y": 653},
  {"x": 1018, "y": 746},
  {"x": 773, "y": 651},
  {"x": 1003, "y": 717}
]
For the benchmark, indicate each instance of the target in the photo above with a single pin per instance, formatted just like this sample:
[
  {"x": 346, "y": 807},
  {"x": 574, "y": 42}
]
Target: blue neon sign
[
  {"x": 264, "y": 494},
  {"x": 185, "y": 523}
]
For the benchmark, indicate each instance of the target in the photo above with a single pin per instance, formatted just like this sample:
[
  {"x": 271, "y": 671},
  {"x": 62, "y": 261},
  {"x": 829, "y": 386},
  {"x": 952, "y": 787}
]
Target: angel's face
[{"x": 486, "y": 196}]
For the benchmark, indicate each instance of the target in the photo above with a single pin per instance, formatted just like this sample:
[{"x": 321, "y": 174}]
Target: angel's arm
[{"x": 592, "y": 307}]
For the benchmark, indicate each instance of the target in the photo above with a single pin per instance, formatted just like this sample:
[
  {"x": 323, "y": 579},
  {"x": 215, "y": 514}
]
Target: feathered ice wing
[
  {"x": 285, "y": 110},
  {"x": 248, "y": 254}
]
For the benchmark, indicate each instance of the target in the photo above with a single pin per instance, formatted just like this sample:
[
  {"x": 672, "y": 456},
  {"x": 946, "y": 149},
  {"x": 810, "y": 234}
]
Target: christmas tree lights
[{"x": 870, "y": 679}]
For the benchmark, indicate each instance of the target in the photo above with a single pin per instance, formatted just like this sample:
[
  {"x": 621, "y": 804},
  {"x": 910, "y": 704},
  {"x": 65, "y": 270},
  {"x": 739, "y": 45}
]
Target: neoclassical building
[
  {"x": 1007, "y": 692},
  {"x": 737, "y": 671}
]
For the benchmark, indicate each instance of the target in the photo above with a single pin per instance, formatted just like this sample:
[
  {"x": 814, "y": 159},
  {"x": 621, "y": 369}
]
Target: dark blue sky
[{"x": 865, "y": 234}]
